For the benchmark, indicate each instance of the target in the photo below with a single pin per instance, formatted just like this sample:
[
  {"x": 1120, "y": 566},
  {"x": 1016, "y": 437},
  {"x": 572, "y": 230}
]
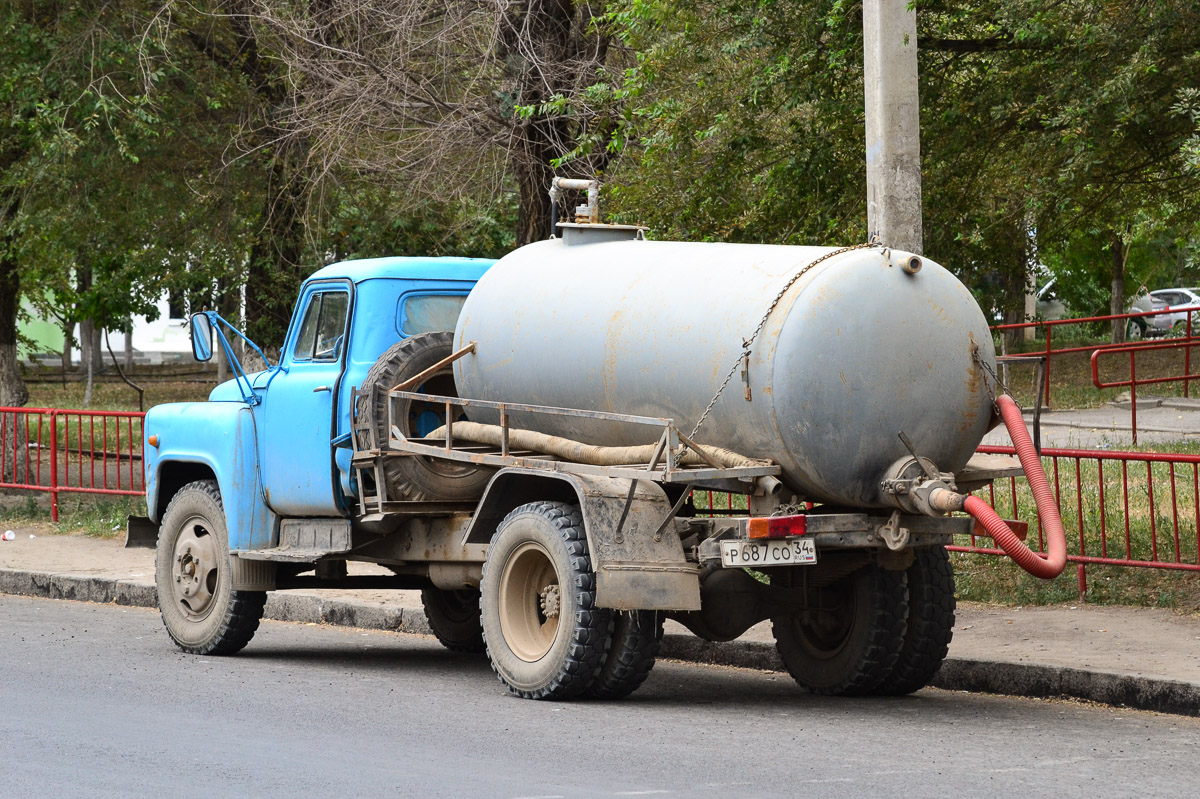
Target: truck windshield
[{"x": 321, "y": 331}]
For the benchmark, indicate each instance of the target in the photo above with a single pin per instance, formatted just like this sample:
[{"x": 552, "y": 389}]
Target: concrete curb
[
  {"x": 980, "y": 676},
  {"x": 956, "y": 674},
  {"x": 302, "y": 608}
]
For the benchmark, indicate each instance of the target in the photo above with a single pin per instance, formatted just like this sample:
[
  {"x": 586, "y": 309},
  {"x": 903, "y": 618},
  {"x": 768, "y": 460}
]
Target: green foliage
[{"x": 744, "y": 122}]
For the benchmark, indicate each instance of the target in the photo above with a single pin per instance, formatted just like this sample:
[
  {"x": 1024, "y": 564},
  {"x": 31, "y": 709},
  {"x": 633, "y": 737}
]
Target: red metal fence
[
  {"x": 70, "y": 451},
  {"x": 1133, "y": 381},
  {"x": 1138, "y": 509},
  {"x": 1050, "y": 326},
  {"x": 1120, "y": 508}
]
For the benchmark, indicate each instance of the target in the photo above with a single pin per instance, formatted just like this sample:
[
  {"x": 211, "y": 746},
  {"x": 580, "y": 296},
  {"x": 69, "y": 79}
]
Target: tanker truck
[{"x": 533, "y": 443}]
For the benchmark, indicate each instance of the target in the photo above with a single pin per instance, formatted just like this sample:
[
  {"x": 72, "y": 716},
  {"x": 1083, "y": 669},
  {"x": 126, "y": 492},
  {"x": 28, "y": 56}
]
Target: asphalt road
[{"x": 96, "y": 702}]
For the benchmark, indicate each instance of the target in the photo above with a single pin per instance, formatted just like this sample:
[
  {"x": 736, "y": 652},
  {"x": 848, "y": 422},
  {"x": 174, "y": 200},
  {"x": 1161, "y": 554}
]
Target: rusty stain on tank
[{"x": 975, "y": 385}]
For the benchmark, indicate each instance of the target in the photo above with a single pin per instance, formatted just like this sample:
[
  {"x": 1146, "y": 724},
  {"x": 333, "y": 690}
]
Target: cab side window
[
  {"x": 321, "y": 331},
  {"x": 428, "y": 313}
]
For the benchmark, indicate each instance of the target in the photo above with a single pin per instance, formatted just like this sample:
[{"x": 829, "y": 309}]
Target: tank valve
[
  {"x": 912, "y": 265},
  {"x": 915, "y": 486}
]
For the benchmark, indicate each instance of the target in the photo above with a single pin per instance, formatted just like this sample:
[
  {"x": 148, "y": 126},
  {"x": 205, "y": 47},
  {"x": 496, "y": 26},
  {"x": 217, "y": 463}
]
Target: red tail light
[{"x": 777, "y": 526}]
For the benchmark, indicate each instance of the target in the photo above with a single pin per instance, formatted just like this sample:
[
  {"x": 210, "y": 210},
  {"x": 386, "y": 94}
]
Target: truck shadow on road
[{"x": 673, "y": 685}]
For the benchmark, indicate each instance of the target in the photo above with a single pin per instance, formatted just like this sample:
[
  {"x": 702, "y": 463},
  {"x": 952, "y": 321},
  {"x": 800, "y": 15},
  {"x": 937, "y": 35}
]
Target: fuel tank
[{"x": 863, "y": 345}]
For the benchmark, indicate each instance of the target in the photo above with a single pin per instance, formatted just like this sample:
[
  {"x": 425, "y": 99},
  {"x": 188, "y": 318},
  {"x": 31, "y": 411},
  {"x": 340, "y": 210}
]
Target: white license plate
[{"x": 768, "y": 553}]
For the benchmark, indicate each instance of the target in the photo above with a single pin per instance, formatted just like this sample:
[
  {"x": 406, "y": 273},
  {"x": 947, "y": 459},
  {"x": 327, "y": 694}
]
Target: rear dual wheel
[
  {"x": 632, "y": 649},
  {"x": 930, "y": 626},
  {"x": 849, "y": 637},
  {"x": 453, "y": 618},
  {"x": 545, "y": 637},
  {"x": 874, "y": 631}
]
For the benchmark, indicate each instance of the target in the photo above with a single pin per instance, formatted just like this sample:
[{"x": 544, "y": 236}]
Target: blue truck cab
[{"x": 276, "y": 442}]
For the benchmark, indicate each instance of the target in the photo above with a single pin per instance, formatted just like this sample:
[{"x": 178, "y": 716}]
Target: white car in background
[
  {"x": 1186, "y": 300},
  {"x": 1050, "y": 307}
]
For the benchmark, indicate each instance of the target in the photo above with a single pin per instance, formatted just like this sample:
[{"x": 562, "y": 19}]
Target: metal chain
[
  {"x": 746, "y": 343},
  {"x": 994, "y": 378}
]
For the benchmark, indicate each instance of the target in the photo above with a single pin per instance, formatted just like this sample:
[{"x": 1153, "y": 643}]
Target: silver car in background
[{"x": 1187, "y": 301}]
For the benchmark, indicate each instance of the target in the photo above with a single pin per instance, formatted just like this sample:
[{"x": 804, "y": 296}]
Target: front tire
[
  {"x": 192, "y": 572},
  {"x": 847, "y": 641},
  {"x": 545, "y": 636}
]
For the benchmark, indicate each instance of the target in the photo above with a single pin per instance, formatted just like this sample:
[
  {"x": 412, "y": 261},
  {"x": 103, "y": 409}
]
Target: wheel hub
[
  {"x": 194, "y": 571},
  {"x": 549, "y": 601},
  {"x": 530, "y": 602}
]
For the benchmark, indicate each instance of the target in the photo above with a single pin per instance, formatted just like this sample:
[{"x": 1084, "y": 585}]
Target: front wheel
[
  {"x": 848, "y": 637},
  {"x": 544, "y": 634},
  {"x": 200, "y": 609}
]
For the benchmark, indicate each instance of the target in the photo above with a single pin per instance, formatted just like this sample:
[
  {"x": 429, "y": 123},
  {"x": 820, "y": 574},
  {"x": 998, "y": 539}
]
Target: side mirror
[{"x": 202, "y": 338}]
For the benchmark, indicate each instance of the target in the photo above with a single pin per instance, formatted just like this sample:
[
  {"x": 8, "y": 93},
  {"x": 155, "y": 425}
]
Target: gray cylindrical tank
[{"x": 857, "y": 350}]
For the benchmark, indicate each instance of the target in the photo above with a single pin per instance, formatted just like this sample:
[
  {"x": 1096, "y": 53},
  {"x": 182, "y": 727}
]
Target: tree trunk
[
  {"x": 542, "y": 51},
  {"x": 68, "y": 338},
  {"x": 1117, "y": 305},
  {"x": 12, "y": 387},
  {"x": 129, "y": 345},
  {"x": 276, "y": 272},
  {"x": 87, "y": 391}
]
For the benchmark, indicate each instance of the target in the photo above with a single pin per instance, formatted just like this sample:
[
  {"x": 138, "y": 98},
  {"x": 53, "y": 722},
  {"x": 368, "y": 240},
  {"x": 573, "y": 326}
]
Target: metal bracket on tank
[{"x": 746, "y": 370}]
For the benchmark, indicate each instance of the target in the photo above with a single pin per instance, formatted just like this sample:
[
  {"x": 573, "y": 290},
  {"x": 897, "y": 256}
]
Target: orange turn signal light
[
  {"x": 152, "y": 441},
  {"x": 777, "y": 526}
]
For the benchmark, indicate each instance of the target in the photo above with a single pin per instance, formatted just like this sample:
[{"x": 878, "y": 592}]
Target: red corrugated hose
[{"x": 1047, "y": 508}]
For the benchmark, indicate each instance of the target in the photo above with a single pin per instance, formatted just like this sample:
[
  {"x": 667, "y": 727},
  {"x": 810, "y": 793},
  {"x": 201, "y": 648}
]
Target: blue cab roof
[{"x": 406, "y": 267}]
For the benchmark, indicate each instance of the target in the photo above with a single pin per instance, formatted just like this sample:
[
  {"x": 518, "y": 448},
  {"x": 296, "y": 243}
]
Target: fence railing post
[
  {"x": 1133, "y": 391},
  {"x": 1049, "y": 328},
  {"x": 1187, "y": 357},
  {"x": 53, "y": 466}
]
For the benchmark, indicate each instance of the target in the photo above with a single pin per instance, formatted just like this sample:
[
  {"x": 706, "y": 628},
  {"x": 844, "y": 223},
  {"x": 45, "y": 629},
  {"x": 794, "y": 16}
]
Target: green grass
[
  {"x": 93, "y": 516},
  {"x": 161, "y": 384},
  {"x": 1161, "y": 526}
]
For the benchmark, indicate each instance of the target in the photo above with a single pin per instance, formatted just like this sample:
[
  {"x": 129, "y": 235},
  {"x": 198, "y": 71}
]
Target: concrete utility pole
[{"x": 893, "y": 123}]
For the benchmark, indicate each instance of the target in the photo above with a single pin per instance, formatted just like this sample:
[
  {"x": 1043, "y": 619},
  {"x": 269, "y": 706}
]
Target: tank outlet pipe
[{"x": 1048, "y": 567}]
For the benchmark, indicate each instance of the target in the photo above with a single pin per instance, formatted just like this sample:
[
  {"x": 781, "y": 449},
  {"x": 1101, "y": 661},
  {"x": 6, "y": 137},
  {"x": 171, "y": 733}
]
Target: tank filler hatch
[{"x": 587, "y": 227}]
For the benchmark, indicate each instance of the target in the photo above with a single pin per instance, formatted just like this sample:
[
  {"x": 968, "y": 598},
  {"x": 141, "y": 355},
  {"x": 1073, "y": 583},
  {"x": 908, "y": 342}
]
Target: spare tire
[{"x": 417, "y": 478}]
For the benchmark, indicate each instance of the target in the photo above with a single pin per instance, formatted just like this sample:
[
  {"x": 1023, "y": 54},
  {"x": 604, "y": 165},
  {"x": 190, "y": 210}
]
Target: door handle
[{"x": 321, "y": 388}]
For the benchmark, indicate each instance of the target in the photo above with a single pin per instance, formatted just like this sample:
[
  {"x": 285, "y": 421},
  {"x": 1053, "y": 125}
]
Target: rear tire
[
  {"x": 632, "y": 649},
  {"x": 1135, "y": 330},
  {"x": 417, "y": 478},
  {"x": 545, "y": 636},
  {"x": 930, "y": 622},
  {"x": 201, "y": 611},
  {"x": 848, "y": 639},
  {"x": 453, "y": 617}
]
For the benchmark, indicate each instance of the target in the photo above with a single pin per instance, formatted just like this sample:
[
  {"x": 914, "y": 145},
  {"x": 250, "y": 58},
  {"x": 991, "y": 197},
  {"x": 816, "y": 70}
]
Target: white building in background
[{"x": 163, "y": 340}]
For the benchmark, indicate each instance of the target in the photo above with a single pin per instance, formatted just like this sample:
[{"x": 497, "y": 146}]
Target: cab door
[{"x": 297, "y": 410}]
